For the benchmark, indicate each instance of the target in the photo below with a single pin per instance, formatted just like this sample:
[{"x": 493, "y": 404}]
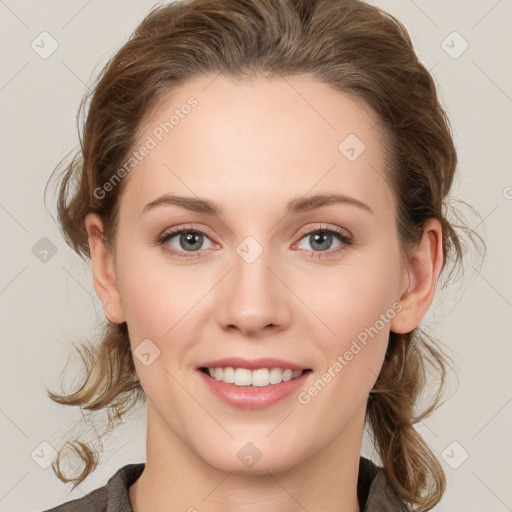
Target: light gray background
[{"x": 46, "y": 304}]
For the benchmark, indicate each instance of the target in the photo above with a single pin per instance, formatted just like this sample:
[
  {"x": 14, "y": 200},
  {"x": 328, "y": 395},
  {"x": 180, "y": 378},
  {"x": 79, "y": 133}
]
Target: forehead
[{"x": 262, "y": 141}]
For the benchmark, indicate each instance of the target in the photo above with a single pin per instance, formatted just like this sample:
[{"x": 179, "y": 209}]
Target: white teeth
[
  {"x": 276, "y": 376},
  {"x": 260, "y": 378},
  {"x": 228, "y": 375},
  {"x": 242, "y": 377}
]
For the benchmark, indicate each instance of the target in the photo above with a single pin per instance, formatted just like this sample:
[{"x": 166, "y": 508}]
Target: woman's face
[{"x": 273, "y": 273}]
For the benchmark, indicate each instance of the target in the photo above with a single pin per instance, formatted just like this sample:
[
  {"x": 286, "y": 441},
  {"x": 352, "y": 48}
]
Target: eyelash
[{"x": 337, "y": 233}]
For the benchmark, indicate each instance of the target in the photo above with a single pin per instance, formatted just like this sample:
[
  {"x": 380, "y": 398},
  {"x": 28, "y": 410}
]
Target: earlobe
[
  {"x": 423, "y": 268},
  {"x": 103, "y": 270}
]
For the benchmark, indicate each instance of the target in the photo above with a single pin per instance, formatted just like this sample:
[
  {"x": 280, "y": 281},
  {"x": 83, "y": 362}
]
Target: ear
[
  {"x": 103, "y": 270},
  {"x": 423, "y": 268}
]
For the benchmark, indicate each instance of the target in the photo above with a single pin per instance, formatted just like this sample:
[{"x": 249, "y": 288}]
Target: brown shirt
[{"x": 373, "y": 491}]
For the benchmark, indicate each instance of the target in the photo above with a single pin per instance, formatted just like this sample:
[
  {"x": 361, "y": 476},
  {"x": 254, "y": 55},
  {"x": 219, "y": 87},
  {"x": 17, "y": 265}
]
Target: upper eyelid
[{"x": 336, "y": 229}]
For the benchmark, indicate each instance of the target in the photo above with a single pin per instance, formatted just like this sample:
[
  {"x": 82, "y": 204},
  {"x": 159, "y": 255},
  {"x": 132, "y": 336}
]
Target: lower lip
[{"x": 253, "y": 397}]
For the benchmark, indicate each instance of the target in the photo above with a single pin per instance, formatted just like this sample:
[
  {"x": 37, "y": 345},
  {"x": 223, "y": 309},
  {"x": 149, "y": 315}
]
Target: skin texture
[{"x": 251, "y": 147}]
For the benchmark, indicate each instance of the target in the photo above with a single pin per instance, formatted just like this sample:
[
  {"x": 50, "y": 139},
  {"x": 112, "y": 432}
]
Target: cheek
[
  {"x": 147, "y": 297},
  {"x": 356, "y": 305},
  {"x": 161, "y": 304},
  {"x": 358, "y": 314},
  {"x": 155, "y": 303},
  {"x": 352, "y": 299}
]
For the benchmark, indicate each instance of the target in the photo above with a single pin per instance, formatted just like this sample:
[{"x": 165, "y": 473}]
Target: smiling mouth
[{"x": 261, "y": 377}]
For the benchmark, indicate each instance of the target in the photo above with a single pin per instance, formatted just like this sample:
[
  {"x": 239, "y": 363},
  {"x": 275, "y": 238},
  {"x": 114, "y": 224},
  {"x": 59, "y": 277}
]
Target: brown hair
[{"x": 355, "y": 48}]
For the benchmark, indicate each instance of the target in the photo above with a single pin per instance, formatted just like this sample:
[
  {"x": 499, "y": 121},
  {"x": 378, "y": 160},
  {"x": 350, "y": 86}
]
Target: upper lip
[{"x": 252, "y": 364}]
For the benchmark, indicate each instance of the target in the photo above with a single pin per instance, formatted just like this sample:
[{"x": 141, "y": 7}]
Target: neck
[{"x": 177, "y": 478}]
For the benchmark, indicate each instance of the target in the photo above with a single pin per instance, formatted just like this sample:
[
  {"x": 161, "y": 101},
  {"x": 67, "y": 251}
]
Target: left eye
[{"x": 321, "y": 240}]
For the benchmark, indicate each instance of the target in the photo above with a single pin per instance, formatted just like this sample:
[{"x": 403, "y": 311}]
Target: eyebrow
[{"x": 297, "y": 205}]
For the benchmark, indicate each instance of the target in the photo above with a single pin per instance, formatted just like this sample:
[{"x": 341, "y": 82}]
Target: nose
[{"x": 254, "y": 299}]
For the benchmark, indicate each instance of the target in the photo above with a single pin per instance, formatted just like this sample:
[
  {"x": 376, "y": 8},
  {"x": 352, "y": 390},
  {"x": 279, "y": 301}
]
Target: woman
[{"x": 260, "y": 189}]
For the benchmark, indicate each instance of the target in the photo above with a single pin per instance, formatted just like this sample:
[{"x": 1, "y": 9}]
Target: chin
[{"x": 251, "y": 458}]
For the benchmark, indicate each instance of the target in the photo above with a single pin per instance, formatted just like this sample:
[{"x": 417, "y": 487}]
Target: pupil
[
  {"x": 189, "y": 239},
  {"x": 325, "y": 244}
]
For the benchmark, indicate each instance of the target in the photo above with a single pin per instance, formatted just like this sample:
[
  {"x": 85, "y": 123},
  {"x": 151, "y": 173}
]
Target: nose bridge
[{"x": 253, "y": 296}]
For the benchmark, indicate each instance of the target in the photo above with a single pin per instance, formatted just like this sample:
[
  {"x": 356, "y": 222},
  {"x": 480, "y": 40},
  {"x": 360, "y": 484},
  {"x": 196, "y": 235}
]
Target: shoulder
[
  {"x": 112, "y": 497},
  {"x": 375, "y": 492}
]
